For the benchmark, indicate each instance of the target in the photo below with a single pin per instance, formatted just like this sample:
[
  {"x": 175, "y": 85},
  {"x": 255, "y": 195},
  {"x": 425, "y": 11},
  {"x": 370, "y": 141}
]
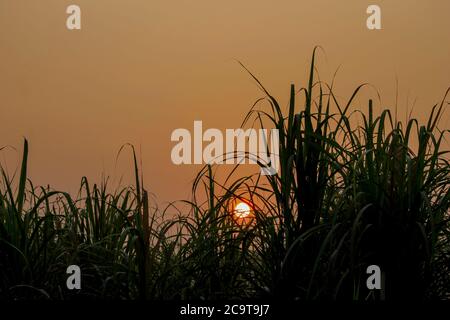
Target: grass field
[{"x": 354, "y": 189}]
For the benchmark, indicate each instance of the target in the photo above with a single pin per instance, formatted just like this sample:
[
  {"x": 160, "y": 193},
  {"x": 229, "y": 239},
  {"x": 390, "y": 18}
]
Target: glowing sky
[{"x": 139, "y": 69}]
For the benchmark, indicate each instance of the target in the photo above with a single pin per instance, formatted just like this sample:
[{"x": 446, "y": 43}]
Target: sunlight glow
[{"x": 242, "y": 210}]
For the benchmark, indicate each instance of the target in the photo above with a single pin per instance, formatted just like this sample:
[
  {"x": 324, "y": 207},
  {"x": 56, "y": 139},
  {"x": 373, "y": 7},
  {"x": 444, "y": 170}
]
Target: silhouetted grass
[{"x": 346, "y": 197}]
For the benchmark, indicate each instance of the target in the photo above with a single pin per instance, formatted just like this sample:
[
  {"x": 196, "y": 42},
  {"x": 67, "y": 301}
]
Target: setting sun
[{"x": 242, "y": 210}]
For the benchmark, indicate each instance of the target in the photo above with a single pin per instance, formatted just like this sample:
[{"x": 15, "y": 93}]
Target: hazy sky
[{"x": 139, "y": 69}]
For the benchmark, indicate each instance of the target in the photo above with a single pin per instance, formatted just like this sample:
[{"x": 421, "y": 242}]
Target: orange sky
[{"x": 139, "y": 69}]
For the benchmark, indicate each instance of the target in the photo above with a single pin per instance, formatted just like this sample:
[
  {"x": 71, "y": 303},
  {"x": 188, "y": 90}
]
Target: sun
[{"x": 242, "y": 210}]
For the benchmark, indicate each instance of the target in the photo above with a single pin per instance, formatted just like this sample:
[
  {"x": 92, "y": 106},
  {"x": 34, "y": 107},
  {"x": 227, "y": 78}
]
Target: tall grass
[{"x": 346, "y": 196}]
